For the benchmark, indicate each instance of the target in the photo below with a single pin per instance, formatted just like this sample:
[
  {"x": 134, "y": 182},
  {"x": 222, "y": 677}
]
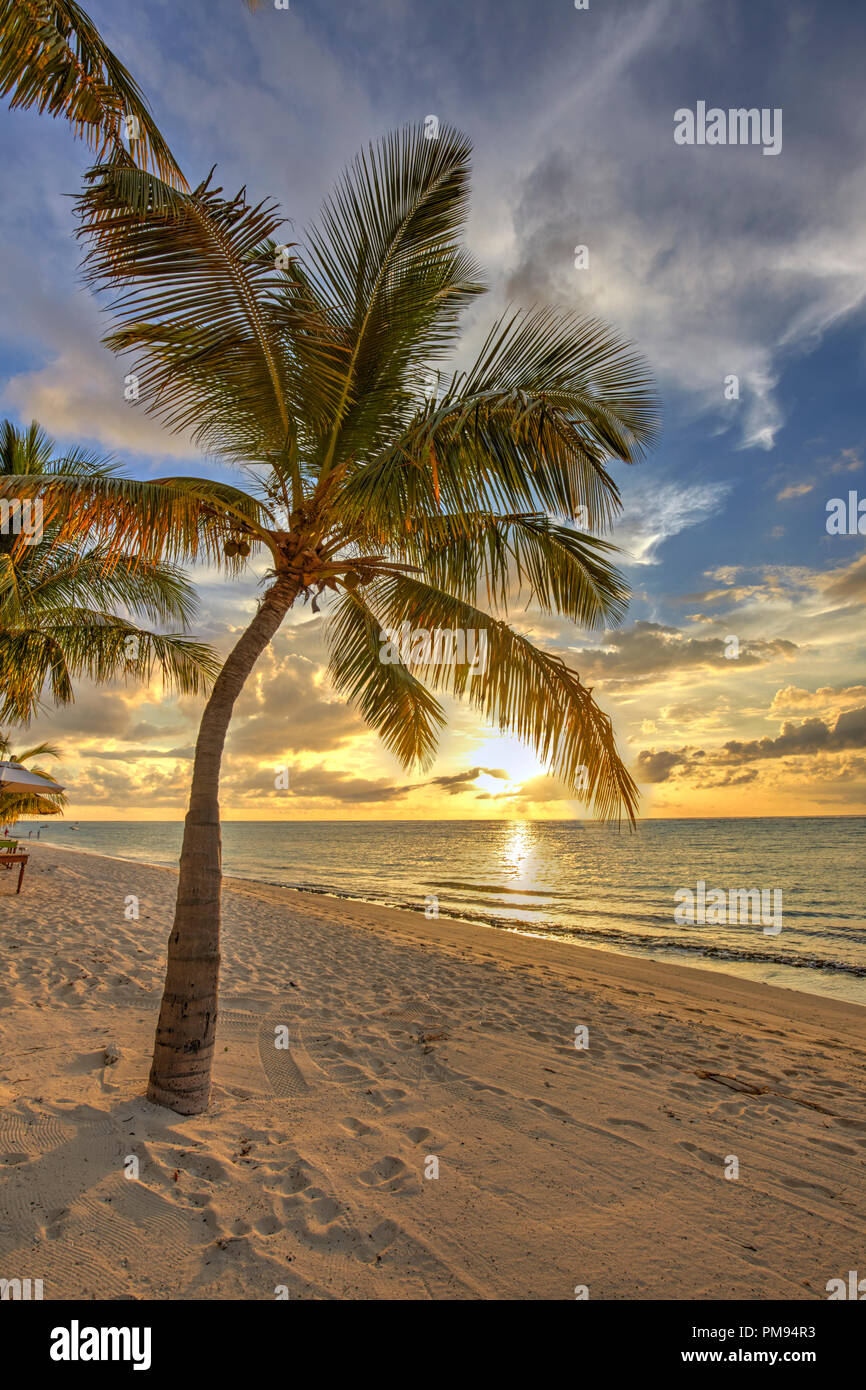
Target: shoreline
[
  {"x": 411, "y": 1040},
  {"x": 723, "y": 964}
]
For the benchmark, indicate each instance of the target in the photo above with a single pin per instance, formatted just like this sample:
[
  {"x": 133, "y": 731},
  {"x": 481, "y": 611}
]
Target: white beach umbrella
[{"x": 14, "y": 775}]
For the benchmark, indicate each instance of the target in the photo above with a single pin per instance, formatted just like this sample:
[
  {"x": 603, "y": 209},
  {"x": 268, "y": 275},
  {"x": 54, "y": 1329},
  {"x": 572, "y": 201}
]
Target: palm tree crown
[
  {"x": 414, "y": 504},
  {"x": 63, "y": 598}
]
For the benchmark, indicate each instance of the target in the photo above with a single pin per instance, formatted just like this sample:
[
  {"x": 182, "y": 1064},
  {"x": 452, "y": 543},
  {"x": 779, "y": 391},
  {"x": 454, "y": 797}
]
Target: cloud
[
  {"x": 456, "y": 782},
  {"x": 319, "y": 783},
  {"x": 79, "y": 395},
  {"x": 811, "y": 736},
  {"x": 805, "y": 740},
  {"x": 154, "y": 788},
  {"x": 538, "y": 790},
  {"x": 795, "y": 587},
  {"x": 132, "y": 755},
  {"x": 105, "y": 713},
  {"x": 646, "y": 652},
  {"x": 286, "y": 708},
  {"x": 846, "y": 583},
  {"x": 146, "y": 730},
  {"x": 849, "y": 461},
  {"x": 654, "y": 512},
  {"x": 772, "y": 251},
  {"x": 827, "y": 697},
  {"x": 794, "y": 490}
]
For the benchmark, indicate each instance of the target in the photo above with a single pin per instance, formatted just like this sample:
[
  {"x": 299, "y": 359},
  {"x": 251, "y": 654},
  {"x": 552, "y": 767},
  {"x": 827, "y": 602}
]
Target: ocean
[{"x": 574, "y": 881}]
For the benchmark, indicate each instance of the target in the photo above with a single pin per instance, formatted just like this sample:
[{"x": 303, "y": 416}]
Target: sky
[{"x": 737, "y": 682}]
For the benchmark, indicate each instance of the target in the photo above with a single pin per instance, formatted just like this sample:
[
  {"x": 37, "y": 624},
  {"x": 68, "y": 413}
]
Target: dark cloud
[
  {"x": 145, "y": 730},
  {"x": 286, "y": 708},
  {"x": 95, "y": 711},
  {"x": 321, "y": 782},
  {"x": 849, "y": 583},
  {"x": 732, "y": 779},
  {"x": 657, "y": 767},
  {"x": 457, "y": 781},
  {"x": 812, "y": 737},
  {"x": 155, "y": 788}
]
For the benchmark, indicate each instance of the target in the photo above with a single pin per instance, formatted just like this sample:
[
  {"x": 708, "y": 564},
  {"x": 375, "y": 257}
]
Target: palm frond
[
  {"x": 42, "y": 661},
  {"x": 390, "y": 698},
  {"x": 41, "y": 750},
  {"x": 15, "y": 805},
  {"x": 528, "y": 428},
  {"x": 168, "y": 519},
  {"x": 194, "y": 308},
  {"x": 521, "y": 689},
  {"x": 53, "y": 57},
  {"x": 49, "y": 577},
  {"x": 521, "y": 559},
  {"x": 386, "y": 259}
]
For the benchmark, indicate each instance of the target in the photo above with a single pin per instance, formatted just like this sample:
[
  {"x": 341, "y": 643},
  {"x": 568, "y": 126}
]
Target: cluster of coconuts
[{"x": 233, "y": 548}]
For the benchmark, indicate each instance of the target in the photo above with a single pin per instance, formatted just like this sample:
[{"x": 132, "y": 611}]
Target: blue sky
[{"x": 715, "y": 261}]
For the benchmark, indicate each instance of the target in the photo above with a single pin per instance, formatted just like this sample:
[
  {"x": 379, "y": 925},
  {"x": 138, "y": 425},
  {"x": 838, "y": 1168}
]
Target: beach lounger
[{"x": 9, "y": 859}]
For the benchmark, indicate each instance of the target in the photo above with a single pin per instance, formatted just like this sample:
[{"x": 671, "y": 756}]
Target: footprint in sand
[
  {"x": 387, "y": 1097},
  {"x": 355, "y": 1127},
  {"x": 712, "y": 1160},
  {"x": 391, "y": 1174},
  {"x": 548, "y": 1109},
  {"x": 419, "y": 1135},
  {"x": 801, "y": 1185},
  {"x": 835, "y": 1148},
  {"x": 298, "y": 1178}
]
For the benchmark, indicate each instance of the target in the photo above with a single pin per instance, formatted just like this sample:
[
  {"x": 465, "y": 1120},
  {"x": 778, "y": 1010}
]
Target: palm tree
[
  {"x": 430, "y": 497},
  {"x": 53, "y": 57},
  {"x": 16, "y": 802},
  {"x": 60, "y": 593}
]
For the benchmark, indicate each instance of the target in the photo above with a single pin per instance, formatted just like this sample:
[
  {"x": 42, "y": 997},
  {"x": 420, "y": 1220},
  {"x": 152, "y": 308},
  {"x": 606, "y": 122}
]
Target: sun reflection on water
[{"x": 518, "y": 851}]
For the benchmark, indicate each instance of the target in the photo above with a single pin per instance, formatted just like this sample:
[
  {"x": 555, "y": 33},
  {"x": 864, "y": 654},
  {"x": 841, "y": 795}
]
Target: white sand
[{"x": 411, "y": 1038}]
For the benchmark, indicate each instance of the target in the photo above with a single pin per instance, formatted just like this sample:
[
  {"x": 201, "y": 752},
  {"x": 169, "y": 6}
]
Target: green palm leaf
[
  {"x": 386, "y": 260},
  {"x": 44, "y": 660},
  {"x": 196, "y": 308},
  {"x": 53, "y": 57},
  {"x": 528, "y": 428},
  {"x": 525, "y": 691},
  {"x": 407, "y": 717},
  {"x": 522, "y": 559},
  {"x": 69, "y": 598}
]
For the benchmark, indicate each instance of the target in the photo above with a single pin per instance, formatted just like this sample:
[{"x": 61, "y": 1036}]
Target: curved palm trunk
[{"x": 183, "y": 1052}]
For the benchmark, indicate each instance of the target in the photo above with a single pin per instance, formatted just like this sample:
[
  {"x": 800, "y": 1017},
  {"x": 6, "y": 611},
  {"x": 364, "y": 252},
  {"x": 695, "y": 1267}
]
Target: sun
[
  {"x": 496, "y": 786},
  {"x": 507, "y": 755}
]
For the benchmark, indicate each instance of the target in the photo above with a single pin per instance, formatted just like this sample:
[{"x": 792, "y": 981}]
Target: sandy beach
[{"x": 411, "y": 1041}]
